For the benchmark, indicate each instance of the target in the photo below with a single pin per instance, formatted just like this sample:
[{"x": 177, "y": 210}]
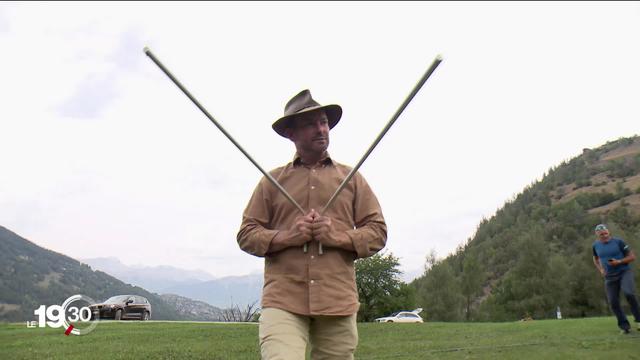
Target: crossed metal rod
[
  {"x": 197, "y": 103},
  {"x": 273, "y": 181}
]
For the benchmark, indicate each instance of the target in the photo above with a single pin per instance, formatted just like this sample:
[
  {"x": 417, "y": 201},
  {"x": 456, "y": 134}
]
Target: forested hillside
[
  {"x": 534, "y": 255},
  {"x": 31, "y": 276}
]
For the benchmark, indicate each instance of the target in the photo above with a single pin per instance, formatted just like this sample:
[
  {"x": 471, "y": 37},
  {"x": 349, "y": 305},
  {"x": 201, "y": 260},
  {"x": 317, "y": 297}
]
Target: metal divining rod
[
  {"x": 206, "y": 113},
  {"x": 395, "y": 116},
  {"x": 273, "y": 181}
]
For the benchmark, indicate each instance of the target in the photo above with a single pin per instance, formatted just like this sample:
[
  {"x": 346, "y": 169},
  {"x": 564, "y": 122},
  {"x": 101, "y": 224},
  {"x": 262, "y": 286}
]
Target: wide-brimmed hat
[{"x": 302, "y": 104}]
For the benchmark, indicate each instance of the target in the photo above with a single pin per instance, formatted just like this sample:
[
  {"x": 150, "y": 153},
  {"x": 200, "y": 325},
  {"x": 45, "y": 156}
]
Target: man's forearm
[
  {"x": 254, "y": 239},
  {"x": 629, "y": 258},
  {"x": 369, "y": 239},
  {"x": 281, "y": 241},
  {"x": 596, "y": 263},
  {"x": 342, "y": 241}
]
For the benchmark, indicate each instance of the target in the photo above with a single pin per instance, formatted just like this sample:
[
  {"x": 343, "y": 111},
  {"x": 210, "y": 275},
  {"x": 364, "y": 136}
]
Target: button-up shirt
[{"x": 309, "y": 283}]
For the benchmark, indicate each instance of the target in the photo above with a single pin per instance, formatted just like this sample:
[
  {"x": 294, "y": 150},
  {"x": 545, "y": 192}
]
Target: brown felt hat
[{"x": 302, "y": 104}]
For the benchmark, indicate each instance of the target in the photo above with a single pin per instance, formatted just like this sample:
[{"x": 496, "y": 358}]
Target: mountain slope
[
  {"x": 224, "y": 292},
  {"x": 154, "y": 278},
  {"x": 189, "y": 309},
  {"x": 31, "y": 276},
  {"x": 534, "y": 255}
]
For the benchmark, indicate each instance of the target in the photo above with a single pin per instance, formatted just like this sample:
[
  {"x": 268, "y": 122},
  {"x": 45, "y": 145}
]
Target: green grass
[{"x": 594, "y": 338}]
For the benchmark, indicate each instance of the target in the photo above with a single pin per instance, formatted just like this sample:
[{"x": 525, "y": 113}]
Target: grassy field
[{"x": 594, "y": 338}]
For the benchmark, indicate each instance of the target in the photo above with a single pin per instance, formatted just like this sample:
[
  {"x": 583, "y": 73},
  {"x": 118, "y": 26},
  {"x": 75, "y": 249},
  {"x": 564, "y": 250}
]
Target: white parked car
[{"x": 403, "y": 317}]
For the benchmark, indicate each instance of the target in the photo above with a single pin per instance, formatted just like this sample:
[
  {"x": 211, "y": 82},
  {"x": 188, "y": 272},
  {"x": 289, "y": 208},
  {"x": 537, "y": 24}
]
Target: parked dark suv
[{"x": 122, "y": 307}]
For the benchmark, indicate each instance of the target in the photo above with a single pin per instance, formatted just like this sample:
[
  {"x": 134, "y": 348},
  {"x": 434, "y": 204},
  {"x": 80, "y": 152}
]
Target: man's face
[
  {"x": 602, "y": 234},
  {"x": 310, "y": 132}
]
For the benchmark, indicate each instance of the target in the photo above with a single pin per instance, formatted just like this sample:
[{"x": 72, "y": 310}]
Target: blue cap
[{"x": 601, "y": 227}]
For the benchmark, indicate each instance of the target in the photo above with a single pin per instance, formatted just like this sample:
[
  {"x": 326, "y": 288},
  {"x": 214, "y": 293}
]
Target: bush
[
  {"x": 594, "y": 200},
  {"x": 622, "y": 216}
]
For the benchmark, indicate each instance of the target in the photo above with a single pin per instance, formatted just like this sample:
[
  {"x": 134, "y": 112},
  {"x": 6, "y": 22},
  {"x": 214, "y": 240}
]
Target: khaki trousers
[{"x": 284, "y": 336}]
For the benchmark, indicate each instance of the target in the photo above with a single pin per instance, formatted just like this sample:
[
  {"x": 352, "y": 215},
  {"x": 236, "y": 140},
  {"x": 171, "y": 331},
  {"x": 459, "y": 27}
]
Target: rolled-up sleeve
[
  {"x": 370, "y": 233},
  {"x": 254, "y": 236}
]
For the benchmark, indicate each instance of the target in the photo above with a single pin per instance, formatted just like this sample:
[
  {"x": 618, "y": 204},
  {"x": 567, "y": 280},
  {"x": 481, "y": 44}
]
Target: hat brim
[{"x": 334, "y": 113}]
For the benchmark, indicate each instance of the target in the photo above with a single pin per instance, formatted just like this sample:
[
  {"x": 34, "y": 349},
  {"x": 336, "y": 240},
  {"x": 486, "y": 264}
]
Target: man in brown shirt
[{"x": 310, "y": 297}]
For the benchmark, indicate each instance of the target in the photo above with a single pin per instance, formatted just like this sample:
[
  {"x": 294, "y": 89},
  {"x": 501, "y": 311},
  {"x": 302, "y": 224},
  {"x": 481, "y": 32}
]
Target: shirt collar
[{"x": 326, "y": 160}]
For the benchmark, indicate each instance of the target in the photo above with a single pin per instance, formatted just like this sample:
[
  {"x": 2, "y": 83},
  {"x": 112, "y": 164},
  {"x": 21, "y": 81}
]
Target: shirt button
[
  {"x": 311, "y": 281},
  {"x": 312, "y": 257},
  {"x": 313, "y": 187}
]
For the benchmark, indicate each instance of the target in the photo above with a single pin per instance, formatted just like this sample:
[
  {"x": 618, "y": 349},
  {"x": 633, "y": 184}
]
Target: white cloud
[{"x": 91, "y": 97}]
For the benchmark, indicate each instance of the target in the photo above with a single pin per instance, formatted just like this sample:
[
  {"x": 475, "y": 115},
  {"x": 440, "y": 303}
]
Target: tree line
[{"x": 531, "y": 258}]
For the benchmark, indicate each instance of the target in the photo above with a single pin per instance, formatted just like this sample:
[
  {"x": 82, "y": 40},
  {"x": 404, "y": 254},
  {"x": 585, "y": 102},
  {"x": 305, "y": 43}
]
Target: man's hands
[
  {"x": 323, "y": 231},
  {"x": 299, "y": 234},
  {"x": 612, "y": 262},
  {"x": 615, "y": 262},
  {"x": 311, "y": 226}
]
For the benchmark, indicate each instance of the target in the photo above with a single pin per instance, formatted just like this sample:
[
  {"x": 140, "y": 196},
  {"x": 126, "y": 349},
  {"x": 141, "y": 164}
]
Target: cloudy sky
[{"x": 101, "y": 155}]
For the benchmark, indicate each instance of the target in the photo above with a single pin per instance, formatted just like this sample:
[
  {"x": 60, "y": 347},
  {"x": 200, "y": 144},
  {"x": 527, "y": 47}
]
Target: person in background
[{"x": 612, "y": 257}]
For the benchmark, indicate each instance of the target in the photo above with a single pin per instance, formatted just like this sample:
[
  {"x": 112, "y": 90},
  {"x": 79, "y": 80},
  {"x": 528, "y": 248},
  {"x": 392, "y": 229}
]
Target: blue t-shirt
[{"x": 612, "y": 249}]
